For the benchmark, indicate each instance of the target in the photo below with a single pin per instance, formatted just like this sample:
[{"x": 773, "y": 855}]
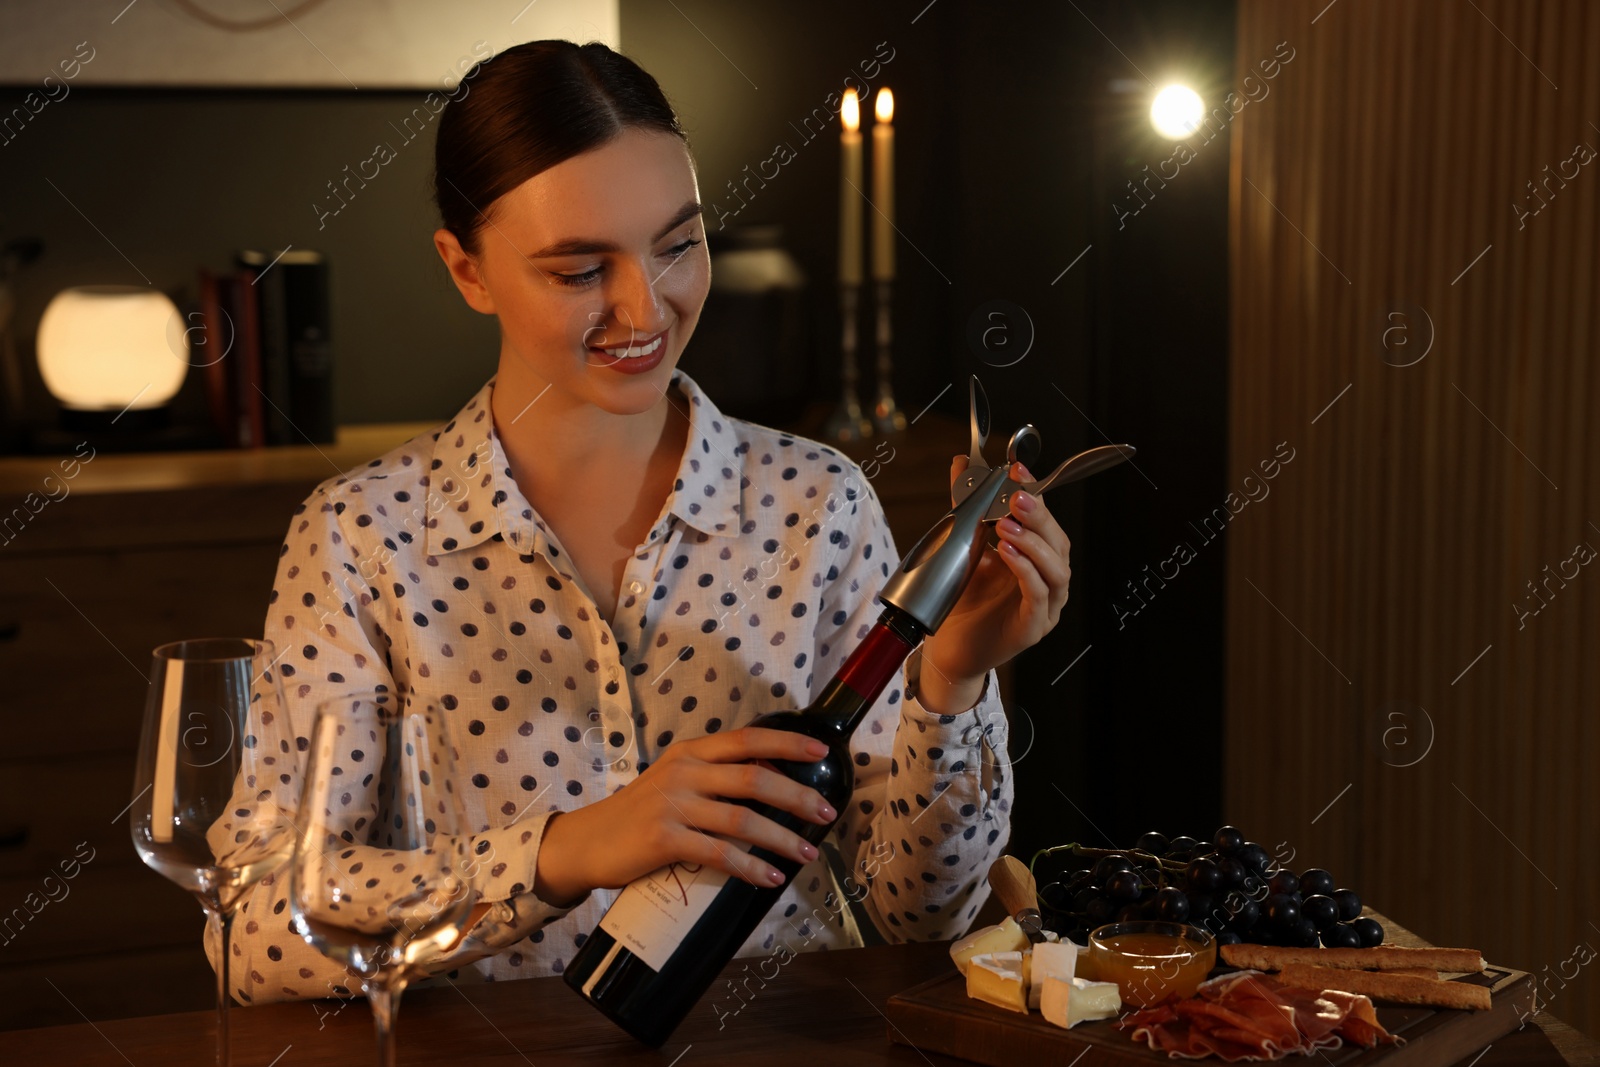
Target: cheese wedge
[
  {"x": 1074, "y": 1000},
  {"x": 1004, "y": 937},
  {"x": 999, "y": 978},
  {"x": 1050, "y": 960}
]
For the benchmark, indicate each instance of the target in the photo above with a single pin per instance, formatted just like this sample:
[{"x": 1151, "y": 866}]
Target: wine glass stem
[
  {"x": 385, "y": 1001},
  {"x": 224, "y": 1053}
]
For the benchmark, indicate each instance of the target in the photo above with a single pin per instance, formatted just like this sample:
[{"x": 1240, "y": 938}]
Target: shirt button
[{"x": 635, "y": 588}]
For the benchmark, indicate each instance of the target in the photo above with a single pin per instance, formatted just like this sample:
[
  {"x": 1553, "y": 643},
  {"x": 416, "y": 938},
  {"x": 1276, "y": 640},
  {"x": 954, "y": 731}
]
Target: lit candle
[
  {"x": 850, "y": 191},
  {"x": 883, "y": 188}
]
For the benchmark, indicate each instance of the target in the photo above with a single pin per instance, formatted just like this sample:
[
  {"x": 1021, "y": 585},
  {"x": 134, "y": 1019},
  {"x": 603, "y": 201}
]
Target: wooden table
[{"x": 821, "y": 1008}]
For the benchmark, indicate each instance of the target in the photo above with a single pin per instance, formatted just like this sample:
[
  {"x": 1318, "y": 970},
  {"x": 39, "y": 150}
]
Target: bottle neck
[{"x": 852, "y": 691}]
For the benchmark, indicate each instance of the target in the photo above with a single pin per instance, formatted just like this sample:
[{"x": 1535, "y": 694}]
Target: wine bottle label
[{"x": 652, "y": 915}]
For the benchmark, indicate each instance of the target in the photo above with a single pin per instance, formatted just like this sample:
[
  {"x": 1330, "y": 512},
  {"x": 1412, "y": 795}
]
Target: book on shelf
[
  {"x": 294, "y": 343},
  {"x": 268, "y": 362},
  {"x": 247, "y": 381},
  {"x": 210, "y": 351}
]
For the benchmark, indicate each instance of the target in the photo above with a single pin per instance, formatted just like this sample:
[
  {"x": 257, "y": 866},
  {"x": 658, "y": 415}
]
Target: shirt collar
[
  {"x": 709, "y": 488},
  {"x": 463, "y": 498},
  {"x": 473, "y": 497}
]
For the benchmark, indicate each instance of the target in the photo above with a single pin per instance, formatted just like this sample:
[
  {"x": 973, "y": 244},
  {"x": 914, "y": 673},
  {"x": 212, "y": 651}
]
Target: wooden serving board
[{"x": 938, "y": 1016}]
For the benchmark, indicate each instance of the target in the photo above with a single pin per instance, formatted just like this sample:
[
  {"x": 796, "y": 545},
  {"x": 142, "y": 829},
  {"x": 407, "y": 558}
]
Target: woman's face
[{"x": 596, "y": 258}]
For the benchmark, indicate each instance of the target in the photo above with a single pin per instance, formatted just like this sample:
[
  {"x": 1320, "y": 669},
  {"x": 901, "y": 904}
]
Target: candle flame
[
  {"x": 884, "y": 109},
  {"x": 851, "y": 111}
]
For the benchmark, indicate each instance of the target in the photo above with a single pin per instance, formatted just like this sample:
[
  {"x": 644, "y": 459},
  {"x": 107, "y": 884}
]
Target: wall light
[{"x": 1176, "y": 112}]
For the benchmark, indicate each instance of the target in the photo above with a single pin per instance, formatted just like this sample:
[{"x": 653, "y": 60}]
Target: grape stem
[
  {"x": 1069, "y": 846},
  {"x": 1084, "y": 851}
]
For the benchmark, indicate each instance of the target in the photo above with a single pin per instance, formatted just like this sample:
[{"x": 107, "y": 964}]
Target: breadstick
[
  {"x": 1397, "y": 988},
  {"x": 1384, "y": 957}
]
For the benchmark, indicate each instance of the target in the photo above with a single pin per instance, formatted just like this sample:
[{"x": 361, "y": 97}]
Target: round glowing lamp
[
  {"x": 1177, "y": 112},
  {"x": 111, "y": 349}
]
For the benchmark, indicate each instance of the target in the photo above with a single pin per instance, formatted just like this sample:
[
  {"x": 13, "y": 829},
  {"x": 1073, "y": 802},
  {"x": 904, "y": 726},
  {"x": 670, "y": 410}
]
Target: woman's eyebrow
[
  {"x": 581, "y": 246},
  {"x": 688, "y": 211}
]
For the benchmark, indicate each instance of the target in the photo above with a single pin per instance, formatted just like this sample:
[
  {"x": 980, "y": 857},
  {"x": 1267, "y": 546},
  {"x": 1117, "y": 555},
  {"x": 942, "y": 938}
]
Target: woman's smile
[{"x": 635, "y": 357}]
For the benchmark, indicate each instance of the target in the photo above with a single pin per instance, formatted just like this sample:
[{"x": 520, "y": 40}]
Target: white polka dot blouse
[{"x": 427, "y": 571}]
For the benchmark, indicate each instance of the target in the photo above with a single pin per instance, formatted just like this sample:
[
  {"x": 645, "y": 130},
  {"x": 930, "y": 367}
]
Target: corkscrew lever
[
  {"x": 1075, "y": 468},
  {"x": 932, "y": 574},
  {"x": 978, "y": 421},
  {"x": 1023, "y": 446}
]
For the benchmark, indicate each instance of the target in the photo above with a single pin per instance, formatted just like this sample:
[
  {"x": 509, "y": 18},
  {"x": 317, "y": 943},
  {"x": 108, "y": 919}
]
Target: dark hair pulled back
[{"x": 529, "y": 108}]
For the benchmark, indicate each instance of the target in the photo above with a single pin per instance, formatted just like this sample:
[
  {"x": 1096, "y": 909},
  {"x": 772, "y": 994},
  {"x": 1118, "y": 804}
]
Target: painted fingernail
[
  {"x": 826, "y": 812},
  {"x": 774, "y": 876},
  {"x": 808, "y": 851},
  {"x": 1008, "y": 548},
  {"x": 1022, "y": 469},
  {"x": 1010, "y": 526},
  {"x": 1024, "y": 501},
  {"x": 816, "y": 748}
]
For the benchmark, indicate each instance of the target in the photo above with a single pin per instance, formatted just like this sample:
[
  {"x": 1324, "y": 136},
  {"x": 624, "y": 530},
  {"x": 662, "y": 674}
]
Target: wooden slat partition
[{"x": 1380, "y": 176}]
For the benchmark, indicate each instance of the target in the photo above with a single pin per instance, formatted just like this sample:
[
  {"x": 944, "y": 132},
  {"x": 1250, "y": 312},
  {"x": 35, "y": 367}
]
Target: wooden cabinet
[{"x": 139, "y": 551}]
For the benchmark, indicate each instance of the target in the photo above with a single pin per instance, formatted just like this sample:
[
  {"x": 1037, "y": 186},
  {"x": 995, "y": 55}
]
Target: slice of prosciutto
[{"x": 1251, "y": 1017}]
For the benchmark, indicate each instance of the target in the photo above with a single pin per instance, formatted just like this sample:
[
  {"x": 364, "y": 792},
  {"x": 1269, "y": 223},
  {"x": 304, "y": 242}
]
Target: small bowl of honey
[{"x": 1150, "y": 961}]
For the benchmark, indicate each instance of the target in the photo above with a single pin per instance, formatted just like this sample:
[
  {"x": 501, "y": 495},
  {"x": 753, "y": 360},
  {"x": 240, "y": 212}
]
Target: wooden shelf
[{"x": 142, "y": 472}]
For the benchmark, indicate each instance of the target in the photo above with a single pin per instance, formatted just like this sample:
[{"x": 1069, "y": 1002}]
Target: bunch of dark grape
[{"x": 1227, "y": 885}]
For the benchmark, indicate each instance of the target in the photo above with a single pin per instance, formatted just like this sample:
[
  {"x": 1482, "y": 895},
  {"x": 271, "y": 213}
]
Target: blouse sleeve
[
  {"x": 330, "y": 640},
  {"x": 931, "y": 808}
]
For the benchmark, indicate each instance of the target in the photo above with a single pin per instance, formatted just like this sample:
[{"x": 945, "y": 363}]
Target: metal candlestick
[
  {"x": 886, "y": 414},
  {"x": 847, "y": 423}
]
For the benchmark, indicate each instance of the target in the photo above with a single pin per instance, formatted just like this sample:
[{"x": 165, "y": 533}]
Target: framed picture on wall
[{"x": 278, "y": 44}]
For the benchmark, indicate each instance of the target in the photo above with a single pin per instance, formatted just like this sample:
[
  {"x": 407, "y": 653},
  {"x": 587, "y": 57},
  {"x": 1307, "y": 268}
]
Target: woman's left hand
[{"x": 1013, "y": 600}]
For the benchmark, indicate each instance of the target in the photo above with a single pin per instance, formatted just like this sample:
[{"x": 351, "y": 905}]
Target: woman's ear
[{"x": 464, "y": 271}]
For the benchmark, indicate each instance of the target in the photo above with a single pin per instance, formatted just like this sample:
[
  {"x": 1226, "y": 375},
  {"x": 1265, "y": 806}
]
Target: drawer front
[
  {"x": 76, "y": 633},
  {"x": 115, "y": 985},
  {"x": 98, "y": 908},
  {"x": 50, "y": 807},
  {"x": 115, "y": 522}
]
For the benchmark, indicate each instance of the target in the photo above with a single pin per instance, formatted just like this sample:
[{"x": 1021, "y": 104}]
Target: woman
[{"x": 598, "y": 577}]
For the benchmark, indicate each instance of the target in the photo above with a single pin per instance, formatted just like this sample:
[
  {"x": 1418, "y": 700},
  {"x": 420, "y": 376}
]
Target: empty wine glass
[
  {"x": 379, "y": 877},
  {"x": 211, "y": 810}
]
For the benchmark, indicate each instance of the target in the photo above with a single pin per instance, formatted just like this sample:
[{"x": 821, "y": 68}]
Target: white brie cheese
[
  {"x": 999, "y": 978},
  {"x": 1003, "y": 937},
  {"x": 1050, "y": 960},
  {"x": 1075, "y": 1000}
]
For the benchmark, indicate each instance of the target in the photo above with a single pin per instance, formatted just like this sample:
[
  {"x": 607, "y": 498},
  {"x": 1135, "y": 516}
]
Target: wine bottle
[{"x": 668, "y": 934}]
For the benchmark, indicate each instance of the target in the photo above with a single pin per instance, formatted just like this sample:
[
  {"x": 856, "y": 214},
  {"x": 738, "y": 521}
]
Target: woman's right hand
[{"x": 668, "y": 814}]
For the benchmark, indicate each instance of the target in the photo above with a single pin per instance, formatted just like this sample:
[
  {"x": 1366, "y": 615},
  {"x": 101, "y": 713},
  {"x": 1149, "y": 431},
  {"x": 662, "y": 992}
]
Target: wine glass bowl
[
  {"x": 212, "y": 810},
  {"x": 378, "y": 880},
  {"x": 400, "y": 941}
]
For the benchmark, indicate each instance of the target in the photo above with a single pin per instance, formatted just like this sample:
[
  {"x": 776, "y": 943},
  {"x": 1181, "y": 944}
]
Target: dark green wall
[
  {"x": 1013, "y": 149},
  {"x": 177, "y": 180}
]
